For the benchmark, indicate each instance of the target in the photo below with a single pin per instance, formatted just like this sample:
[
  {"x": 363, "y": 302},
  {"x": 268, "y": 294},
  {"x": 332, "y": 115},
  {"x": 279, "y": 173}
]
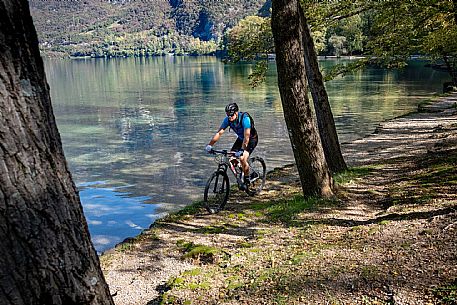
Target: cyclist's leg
[
  {"x": 244, "y": 159},
  {"x": 252, "y": 144},
  {"x": 237, "y": 145}
]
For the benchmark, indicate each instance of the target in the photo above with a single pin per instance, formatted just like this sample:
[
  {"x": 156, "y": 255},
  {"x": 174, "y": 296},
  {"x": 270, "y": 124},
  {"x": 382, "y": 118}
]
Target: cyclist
[{"x": 247, "y": 139}]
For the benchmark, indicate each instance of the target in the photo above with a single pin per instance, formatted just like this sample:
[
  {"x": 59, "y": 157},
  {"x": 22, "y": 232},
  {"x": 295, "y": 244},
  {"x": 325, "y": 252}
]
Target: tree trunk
[
  {"x": 451, "y": 68},
  {"x": 454, "y": 3},
  {"x": 287, "y": 26},
  {"x": 325, "y": 121},
  {"x": 46, "y": 256}
]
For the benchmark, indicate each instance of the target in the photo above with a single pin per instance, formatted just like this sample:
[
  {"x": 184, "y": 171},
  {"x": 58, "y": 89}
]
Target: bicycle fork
[{"x": 215, "y": 190}]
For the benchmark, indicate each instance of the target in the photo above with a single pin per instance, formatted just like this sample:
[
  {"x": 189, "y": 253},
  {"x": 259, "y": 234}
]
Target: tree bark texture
[
  {"x": 324, "y": 116},
  {"x": 287, "y": 28},
  {"x": 46, "y": 256}
]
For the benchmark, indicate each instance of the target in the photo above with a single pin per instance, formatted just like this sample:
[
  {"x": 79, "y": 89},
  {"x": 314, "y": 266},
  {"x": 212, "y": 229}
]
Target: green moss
[
  {"x": 204, "y": 253},
  {"x": 202, "y": 250},
  {"x": 192, "y": 272},
  {"x": 167, "y": 298},
  {"x": 125, "y": 246},
  {"x": 255, "y": 250},
  {"x": 176, "y": 282},
  {"x": 245, "y": 244},
  {"x": 211, "y": 230},
  {"x": 234, "y": 282},
  {"x": 199, "y": 286}
]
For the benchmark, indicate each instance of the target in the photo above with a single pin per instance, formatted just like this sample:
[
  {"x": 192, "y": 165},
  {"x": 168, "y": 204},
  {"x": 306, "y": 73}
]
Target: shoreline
[
  {"x": 431, "y": 103},
  {"x": 138, "y": 269}
]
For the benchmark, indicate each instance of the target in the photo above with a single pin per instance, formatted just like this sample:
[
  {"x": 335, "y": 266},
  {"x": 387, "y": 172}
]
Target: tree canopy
[{"x": 386, "y": 32}]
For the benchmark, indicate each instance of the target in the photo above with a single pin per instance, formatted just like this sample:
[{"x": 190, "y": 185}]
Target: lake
[{"x": 134, "y": 130}]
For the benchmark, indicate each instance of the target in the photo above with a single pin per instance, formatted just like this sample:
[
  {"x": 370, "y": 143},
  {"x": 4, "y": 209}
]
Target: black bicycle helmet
[{"x": 231, "y": 108}]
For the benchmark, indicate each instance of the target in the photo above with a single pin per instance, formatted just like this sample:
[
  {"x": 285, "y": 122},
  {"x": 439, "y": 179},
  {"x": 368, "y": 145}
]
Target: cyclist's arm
[
  {"x": 247, "y": 134},
  {"x": 216, "y": 137}
]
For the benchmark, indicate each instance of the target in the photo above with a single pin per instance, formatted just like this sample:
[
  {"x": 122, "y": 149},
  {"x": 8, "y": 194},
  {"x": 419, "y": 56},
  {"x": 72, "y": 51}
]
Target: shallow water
[{"x": 134, "y": 130}]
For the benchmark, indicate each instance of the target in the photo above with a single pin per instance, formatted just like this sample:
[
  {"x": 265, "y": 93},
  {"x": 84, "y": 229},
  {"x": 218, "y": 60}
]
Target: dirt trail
[{"x": 378, "y": 242}]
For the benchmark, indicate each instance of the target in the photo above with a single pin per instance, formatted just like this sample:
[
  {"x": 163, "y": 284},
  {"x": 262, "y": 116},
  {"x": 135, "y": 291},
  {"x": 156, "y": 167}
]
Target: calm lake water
[{"x": 134, "y": 130}]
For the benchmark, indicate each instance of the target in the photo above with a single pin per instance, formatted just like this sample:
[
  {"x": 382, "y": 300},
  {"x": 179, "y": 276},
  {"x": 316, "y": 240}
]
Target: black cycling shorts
[{"x": 251, "y": 145}]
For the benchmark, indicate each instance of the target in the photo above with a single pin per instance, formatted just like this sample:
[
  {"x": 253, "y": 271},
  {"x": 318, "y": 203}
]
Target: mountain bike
[{"x": 217, "y": 188}]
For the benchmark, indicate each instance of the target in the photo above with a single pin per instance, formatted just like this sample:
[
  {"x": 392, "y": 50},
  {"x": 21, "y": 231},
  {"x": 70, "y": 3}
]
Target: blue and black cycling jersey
[{"x": 239, "y": 125}]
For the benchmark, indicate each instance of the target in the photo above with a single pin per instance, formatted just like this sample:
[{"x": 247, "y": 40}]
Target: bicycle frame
[{"x": 226, "y": 162}]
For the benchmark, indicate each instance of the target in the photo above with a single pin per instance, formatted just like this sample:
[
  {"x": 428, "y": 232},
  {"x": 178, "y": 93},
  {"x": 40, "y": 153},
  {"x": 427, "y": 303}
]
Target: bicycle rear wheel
[
  {"x": 216, "y": 192},
  {"x": 257, "y": 175}
]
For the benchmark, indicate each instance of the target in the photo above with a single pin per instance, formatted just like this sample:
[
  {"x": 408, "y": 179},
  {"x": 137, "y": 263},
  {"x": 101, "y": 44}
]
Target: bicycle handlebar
[{"x": 222, "y": 152}]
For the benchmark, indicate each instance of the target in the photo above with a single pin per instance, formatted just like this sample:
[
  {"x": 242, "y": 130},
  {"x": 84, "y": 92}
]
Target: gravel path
[{"x": 136, "y": 272}]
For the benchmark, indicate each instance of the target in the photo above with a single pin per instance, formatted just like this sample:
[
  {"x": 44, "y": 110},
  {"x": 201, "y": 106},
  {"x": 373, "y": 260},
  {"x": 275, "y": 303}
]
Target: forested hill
[{"x": 137, "y": 28}]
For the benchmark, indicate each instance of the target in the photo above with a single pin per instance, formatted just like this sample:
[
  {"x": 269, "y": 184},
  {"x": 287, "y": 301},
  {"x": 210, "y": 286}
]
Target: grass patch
[
  {"x": 234, "y": 282},
  {"x": 447, "y": 294},
  {"x": 176, "y": 282},
  {"x": 298, "y": 259},
  {"x": 354, "y": 173},
  {"x": 287, "y": 210},
  {"x": 422, "y": 106},
  {"x": 369, "y": 272},
  {"x": 192, "y": 272},
  {"x": 211, "y": 230},
  {"x": 199, "y": 286},
  {"x": 128, "y": 243},
  {"x": 244, "y": 244},
  {"x": 202, "y": 253},
  {"x": 192, "y": 209},
  {"x": 238, "y": 216}
]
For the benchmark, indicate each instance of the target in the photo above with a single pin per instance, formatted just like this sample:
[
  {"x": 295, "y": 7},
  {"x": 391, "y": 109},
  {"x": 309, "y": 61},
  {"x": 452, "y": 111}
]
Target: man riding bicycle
[{"x": 247, "y": 139}]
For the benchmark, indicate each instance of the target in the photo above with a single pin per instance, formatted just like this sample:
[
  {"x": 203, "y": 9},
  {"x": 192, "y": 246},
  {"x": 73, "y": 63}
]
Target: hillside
[{"x": 136, "y": 28}]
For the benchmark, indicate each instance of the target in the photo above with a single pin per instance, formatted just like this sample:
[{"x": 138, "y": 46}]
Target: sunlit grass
[
  {"x": 287, "y": 210},
  {"x": 354, "y": 173}
]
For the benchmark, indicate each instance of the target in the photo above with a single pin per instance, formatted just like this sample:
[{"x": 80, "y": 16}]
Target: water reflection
[
  {"x": 140, "y": 125},
  {"x": 112, "y": 214}
]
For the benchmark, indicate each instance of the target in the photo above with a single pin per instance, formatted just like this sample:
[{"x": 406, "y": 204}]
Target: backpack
[
  {"x": 253, "y": 131},
  {"x": 250, "y": 118}
]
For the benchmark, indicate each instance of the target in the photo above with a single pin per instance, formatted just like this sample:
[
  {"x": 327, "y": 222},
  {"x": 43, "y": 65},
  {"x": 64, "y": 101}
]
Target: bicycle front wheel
[
  {"x": 216, "y": 192},
  {"x": 257, "y": 175}
]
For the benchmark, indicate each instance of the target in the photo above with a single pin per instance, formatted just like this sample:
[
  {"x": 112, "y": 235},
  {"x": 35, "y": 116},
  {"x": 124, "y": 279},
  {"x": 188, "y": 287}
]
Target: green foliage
[
  {"x": 250, "y": 38},
  {"x": 388, "y": 32},
  {"x": 344, "y": 69},
  {"x": 258, "y": 76},
  {"x": 338, "y": 45},
  {"x": 135, "y": 28},
  {"x": 404, "y": 28},
  {"x": 348, "y": 36}
]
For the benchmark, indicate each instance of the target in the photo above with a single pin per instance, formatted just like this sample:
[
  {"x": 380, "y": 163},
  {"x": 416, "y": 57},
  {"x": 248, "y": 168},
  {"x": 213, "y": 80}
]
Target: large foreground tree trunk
[
  {"x": 46, "y": 256},
  {"x": 287, "y": 26},
  {"x": 325, "y": 121}
]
